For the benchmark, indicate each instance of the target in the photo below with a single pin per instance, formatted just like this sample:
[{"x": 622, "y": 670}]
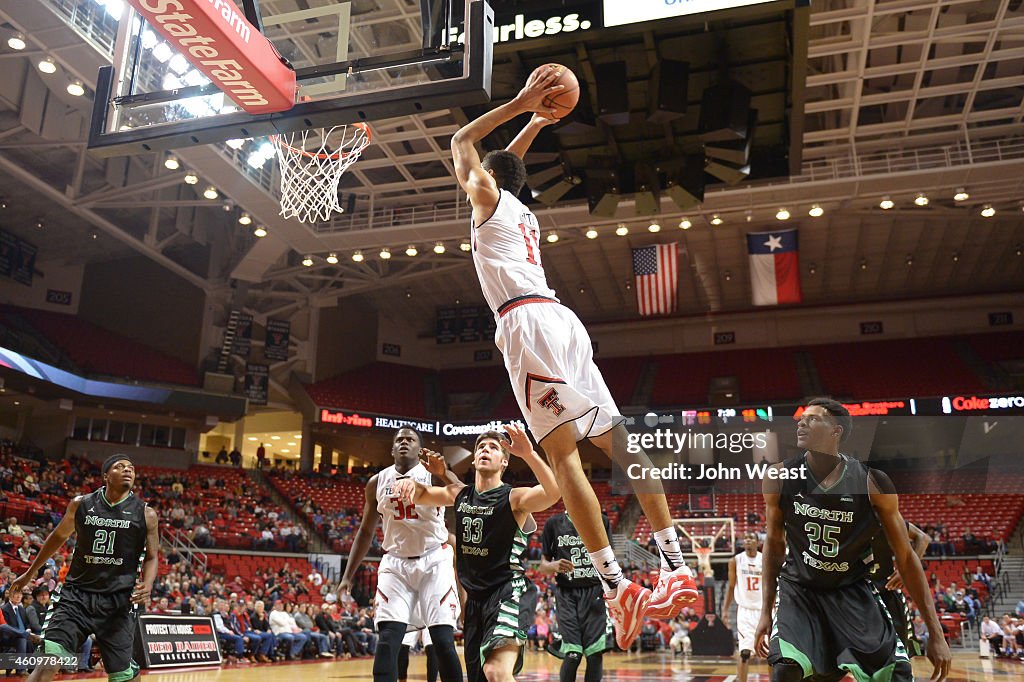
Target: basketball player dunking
[
  {"x": 493, "y": 521},
  {"x": 549, "y": 358},
  {"x": 417, "y": 574},
  {"x": 830, "y": 619},
  {"x": 102, "y": 588},
  {"x": 745, "y": 587}
]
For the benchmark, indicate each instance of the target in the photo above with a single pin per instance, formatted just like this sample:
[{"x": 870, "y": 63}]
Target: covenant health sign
[{"x": 622, "y": 12}]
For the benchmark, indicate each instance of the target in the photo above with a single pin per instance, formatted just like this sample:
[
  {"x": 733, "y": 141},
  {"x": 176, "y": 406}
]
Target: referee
[{"x": 582, "y": 615}]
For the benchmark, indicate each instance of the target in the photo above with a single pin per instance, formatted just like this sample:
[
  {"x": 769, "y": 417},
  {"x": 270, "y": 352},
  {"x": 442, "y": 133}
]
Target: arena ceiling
[{"x": 900, "y": 98}]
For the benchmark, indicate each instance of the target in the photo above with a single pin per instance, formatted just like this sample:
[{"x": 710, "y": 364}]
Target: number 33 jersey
[
  {"x": 506, "y": 253},
  {"x": 410, "y": 530}
]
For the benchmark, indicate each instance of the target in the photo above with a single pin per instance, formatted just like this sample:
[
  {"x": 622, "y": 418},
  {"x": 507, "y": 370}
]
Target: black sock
[
  {"x": 389, "y": 646},
  {"x": 432, "y": 671},
  {"x": 595, "y": 668},
  {"x": 570, "y": 664},
  {"x": 449, "y": 667},
  {"x": 403, "y": 663}
]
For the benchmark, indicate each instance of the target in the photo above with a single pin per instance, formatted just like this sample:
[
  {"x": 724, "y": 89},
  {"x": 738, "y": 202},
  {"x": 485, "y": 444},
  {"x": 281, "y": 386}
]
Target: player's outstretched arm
[
  {"x": 539, "y": 497},
  {"x": 54, "y": 541},
  {"x": 414, "y": 492},
  {"x": 774, "y": 555},
  {"x": 363, "y": 537},
  {"x": 729, "y": 592},
  {"x": 886, "y": 503},
  {"x": 919, "y": 541},
  {"x": 144, "y": 588},
  {"x": 472, "y": 177},
  {"x": 521, "y": 144}
]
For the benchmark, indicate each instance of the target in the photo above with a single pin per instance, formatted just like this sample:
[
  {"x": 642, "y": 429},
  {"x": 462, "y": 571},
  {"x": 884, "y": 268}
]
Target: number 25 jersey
[
  {"x": 506, "y": 253},
  {"x": 409, "y": 529}
]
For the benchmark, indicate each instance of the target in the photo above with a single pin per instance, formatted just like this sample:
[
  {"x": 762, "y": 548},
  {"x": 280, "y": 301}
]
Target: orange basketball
[{"x": 564, "y": 100}]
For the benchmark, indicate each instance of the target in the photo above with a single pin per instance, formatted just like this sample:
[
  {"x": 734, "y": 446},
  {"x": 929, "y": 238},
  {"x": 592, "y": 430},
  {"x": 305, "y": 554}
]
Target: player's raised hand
[
  {"x": 519, "y": 444},
  {"x": 764, "y": 626},
  {"x": 539, "y": 86},
  {"x": 405, "y": 490},
  {"x": 141, "y": 593},
  {"x": 940, "y": 656},
  {"x": 541, "y": 120},
  {"x": 434, "y": 463}
]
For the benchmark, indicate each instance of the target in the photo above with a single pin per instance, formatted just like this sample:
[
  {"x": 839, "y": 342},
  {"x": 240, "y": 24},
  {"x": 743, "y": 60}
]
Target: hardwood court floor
[{"x": 541, "y": 667}]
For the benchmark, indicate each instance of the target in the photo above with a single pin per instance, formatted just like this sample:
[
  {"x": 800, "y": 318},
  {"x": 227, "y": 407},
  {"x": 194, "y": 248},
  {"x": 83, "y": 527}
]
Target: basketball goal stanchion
[{"x": 311, "y": 164}]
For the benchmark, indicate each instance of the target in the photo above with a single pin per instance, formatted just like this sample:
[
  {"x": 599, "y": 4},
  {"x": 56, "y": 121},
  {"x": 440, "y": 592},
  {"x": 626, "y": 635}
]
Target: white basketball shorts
[
  {"x": 550, "y": 364},
  {"x": 420, "y": 592},
  {"x": 746, "y": 625}
]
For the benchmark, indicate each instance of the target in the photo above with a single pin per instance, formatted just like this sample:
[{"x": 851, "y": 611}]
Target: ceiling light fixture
[
  {"x": 988, "y": 211},
  {"x": 716, "y": 220},
  {"x": 863, "y": 263},
  {"x": 552, "y": 237},
  {"x": 76, "y": 89},
  {"x": 782, "y": 214},
  {"x": 465, "y": 246},
  {"x": 956, "y": 256},
  {"x": 211, "y": 193},
  {"x": 307, "y": 261},
  {"x": 260, "y": 231},
  {"x": 654, "y": 227},
  {"x": 17, "y": 42},
  {"x": 191, "y": 178},
  {"x": 886, "y": 203},
  {"x": 245, "y": 219},
  {"x": 358, "y": 257},
  {"x": 622, "y": 230},
  {"x": 591, "y": 233},
  {"x": 685, "y": 224},
  {"x": 816, "y": 211},
  {"x": 172, "y": 163},
  {"x": 439, "y": 248},
  {"x": 332, "y": 258},
  {"x": 961, "y": 194},
  {"x": 47, "y": 65},
  {"x": 385, "y": 254},
  {"x": 411, "y": 251},
  {"x": 921, "y": 200}
]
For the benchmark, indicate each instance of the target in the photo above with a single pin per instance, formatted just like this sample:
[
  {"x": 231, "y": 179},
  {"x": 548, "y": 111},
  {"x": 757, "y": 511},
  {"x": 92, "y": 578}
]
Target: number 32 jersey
[
  {"x": 410, "y": 530},
  {"x": 506, "y": 253}
]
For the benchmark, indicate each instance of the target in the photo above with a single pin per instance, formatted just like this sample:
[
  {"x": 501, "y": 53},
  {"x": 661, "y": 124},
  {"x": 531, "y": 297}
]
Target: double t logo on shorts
[{"x": 549, "y": 401}]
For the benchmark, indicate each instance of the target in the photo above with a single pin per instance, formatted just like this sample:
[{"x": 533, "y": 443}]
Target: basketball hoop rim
[{"x": 279, "y": 140}]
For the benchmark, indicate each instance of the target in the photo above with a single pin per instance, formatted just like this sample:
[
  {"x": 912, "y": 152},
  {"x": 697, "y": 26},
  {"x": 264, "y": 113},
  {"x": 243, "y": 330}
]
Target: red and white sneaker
[
  {"x": 675, "y": 590},
  {"x": 627, "y": 606}
]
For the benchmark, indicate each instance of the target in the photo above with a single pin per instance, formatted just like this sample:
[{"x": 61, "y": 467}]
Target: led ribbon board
[{"x": 622, "y": 12}]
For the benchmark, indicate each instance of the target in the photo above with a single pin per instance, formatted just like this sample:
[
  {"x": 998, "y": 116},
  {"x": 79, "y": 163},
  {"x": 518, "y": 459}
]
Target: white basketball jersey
[
  {"x": 409, "y": 529},
  {"x": 748, "y": 581},
  {"x": 506, "y": 253}
]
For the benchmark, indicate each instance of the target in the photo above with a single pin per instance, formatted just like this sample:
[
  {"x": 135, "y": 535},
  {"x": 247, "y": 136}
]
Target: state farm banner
[
  {"x": 176, "y": 641},
  {"x": 275, "y": 347}
]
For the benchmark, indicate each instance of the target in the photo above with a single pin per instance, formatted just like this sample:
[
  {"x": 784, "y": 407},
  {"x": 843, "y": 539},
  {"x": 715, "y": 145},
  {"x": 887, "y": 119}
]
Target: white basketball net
[{"x": 312, "y": 163}]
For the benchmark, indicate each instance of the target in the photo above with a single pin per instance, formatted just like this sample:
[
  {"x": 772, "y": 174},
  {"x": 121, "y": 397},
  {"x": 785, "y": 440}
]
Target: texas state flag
[{"x": 774, "y": 267}]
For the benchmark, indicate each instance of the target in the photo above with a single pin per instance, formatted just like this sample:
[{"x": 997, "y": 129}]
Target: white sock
[
  {"x": 671, "y": 553},
  {"x": 608, "y": 568}
]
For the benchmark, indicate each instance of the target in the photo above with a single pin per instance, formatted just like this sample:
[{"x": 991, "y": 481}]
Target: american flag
[{"x": 656, "y": 273}]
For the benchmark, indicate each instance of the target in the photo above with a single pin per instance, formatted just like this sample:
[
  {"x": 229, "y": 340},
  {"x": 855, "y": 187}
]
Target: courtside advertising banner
[{"x": 167, "y": 641}]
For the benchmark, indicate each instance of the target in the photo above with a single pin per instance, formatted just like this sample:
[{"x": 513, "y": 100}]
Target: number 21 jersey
[
  {"x": 409, "y": 529},
  {"x": 110, "y": 541},
  {"x": 506, "y": 253}
]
